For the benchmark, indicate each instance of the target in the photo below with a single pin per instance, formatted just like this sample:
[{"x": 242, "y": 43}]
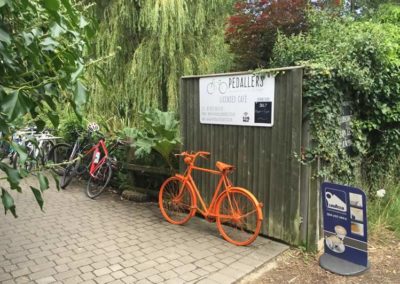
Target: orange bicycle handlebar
[{"x": 193, "y": 155}]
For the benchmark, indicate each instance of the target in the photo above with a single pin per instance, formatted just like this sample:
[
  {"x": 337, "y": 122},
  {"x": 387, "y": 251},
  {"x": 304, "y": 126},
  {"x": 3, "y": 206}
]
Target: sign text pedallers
[
  {"x": 253, "y": 81},
  {"x": 246, "y": 100}
]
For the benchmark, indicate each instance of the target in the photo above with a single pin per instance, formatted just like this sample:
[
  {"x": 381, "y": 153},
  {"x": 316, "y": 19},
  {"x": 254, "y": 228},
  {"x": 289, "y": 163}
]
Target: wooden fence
[{"x": 264, "y": 157}]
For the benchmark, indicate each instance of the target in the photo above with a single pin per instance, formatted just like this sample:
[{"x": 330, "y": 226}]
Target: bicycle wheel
[
  {"x": 99, "y": 181},
  {"x": 176, "y": 201},
  {"x": 59, "y": 154},
  {"x": 68, "y": 174},
  {"x": 238, "y": 218}
]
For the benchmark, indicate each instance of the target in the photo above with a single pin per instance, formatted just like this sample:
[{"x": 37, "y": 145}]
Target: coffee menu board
[
  {"x": 246, "y": 100},
  {"x": 345, "y": 223}
]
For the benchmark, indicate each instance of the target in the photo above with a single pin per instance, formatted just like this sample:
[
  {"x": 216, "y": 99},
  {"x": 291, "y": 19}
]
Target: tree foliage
[
  {"x": 253, "y": 28},
  {"x": 153, "y": 43},
  {"x": 357, "y": 61},
  {"x": 42, "y": 45}
]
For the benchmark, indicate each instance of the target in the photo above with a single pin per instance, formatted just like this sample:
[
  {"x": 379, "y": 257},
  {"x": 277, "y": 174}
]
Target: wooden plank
[
  {"x": 243, "y": 72},
  {"x": 313, "y": 209},
  {"x": 295, "y": 220},
  {"x": 287, "y": 143},
  {"x": 148, "y": 169},
  {"x": 265, "y": 179},
  {"x": 275, "y": 210}
]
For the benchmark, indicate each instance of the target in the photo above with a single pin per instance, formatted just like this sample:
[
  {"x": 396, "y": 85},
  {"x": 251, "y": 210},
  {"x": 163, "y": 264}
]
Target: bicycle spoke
[
  {"x": 236, "y": 219},
  {"x": 175, "y": 201}
]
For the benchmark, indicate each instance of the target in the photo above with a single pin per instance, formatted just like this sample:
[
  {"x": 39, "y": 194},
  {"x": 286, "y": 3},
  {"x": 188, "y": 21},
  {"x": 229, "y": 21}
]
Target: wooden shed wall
[{"x": 264, "y": 156}]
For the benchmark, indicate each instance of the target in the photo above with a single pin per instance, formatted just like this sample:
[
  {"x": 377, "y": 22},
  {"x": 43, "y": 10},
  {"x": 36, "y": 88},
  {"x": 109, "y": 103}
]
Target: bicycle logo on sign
[{"x": 217, "y": 86}]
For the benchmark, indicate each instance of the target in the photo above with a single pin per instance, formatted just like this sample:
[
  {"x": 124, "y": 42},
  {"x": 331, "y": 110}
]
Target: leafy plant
[
  {"x": 358, "y": 61},
  {"x": 71, "y": 127},
  {"x": 42, "y": 45},
  {"x": 383, "y": 211},
  {"x": 160, "y": 132}
]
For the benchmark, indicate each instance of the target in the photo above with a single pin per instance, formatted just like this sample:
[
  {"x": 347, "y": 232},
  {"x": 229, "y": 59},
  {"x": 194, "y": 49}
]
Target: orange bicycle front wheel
[
  {"x": 238, "y": 217},
  {"x": 176, "y": 201}
]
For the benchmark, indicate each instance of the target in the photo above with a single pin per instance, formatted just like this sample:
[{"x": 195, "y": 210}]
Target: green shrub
[
  {"x": 157, "y": 137},
  {"x": 70, "y": 127},
  {"x": 357, "y": 61}
]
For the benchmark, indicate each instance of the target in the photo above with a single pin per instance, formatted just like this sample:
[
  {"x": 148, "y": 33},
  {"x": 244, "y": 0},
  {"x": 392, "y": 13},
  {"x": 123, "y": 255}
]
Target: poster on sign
[
  {"x": 345, "y": 229},
  {"x": 246, "y": 100}
]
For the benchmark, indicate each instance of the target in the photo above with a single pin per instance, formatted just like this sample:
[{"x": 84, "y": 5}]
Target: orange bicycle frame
[{"x": 206, "y": 211}]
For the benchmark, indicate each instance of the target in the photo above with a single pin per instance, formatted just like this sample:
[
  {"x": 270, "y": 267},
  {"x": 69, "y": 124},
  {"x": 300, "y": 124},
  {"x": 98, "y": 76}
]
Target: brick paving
[{"x": 108, "y": 240}]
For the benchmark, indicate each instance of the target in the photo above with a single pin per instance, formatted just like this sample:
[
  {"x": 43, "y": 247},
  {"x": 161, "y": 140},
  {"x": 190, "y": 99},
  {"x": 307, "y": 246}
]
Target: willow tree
[{"x": 150, "y": 45}]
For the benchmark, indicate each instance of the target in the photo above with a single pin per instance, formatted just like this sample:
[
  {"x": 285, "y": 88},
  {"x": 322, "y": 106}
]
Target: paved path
[{"x": 79, "y": 240}]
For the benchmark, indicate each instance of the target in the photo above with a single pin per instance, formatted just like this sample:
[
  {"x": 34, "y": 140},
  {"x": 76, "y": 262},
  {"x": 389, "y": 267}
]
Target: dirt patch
[{"x": 295, "y": 266}]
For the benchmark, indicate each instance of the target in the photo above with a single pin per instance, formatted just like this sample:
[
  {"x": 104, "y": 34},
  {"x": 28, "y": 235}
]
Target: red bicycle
[{"x": 99, "y": 167}]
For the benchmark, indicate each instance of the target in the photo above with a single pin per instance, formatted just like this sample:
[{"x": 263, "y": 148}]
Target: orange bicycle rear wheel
[
  {"x": 238, "y": 217},
  {"x": 176, "y": 201}
]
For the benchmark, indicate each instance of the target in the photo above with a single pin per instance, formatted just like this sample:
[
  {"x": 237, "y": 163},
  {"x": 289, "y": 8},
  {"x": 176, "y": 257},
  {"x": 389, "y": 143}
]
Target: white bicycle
[{"x": 37, "y": 145}]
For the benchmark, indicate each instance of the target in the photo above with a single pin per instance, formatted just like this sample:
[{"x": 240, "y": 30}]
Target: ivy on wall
[{"x": 356, "y": 60}]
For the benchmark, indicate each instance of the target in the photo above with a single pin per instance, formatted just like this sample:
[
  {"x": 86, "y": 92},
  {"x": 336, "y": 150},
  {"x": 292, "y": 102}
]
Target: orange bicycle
[{"x": 236, "y": 211}]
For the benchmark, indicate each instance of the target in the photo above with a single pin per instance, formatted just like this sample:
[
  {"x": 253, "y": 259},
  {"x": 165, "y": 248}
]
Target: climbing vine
[{"x": 357, "y": 61}]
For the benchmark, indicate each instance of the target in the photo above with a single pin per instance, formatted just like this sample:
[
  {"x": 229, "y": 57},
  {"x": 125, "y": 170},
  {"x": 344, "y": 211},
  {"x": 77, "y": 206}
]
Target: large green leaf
[
  {"x": 52, "y": 5},
  {"x": 43, "y": 181},
  {"x": 82, "y": 22},
  {"x": 56, "y": 180},
  {"x": 54, "y": 118},
  {"x": 67, "y": 4},
  {"x": 38, "y": 196},
  {"x": 40, "y": 124},
  {"x": 8, "y": 202},
  {"x": 165, "y": 147},
  {"x": 49, "y": 44},
  {"x": 5, "y": 37},
  {"x": 143, "y": 146},
  {"x": 80, "y": 93},
  {"x": 15, "y": 105},
  {"x": 13, "y": 176},
  {"x": 28, "y": 38},
  {"x": 23, "y": 155},
  {"x": 56, "y": 30},
  {"x": 78, "y": 71}
]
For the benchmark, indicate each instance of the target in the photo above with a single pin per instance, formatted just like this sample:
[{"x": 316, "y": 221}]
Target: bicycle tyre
[
  {"x": 234, "y": 207},
  {"x": 59, "y": 153},
  {"x": 102, "y": 177},
  {"x": 69, "y": 173},
  {"x": 169, "y": 205}
]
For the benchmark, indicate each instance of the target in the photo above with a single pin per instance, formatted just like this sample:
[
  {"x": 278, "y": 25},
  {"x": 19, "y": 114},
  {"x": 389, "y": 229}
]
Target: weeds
[{"x": 384, "y": 212}]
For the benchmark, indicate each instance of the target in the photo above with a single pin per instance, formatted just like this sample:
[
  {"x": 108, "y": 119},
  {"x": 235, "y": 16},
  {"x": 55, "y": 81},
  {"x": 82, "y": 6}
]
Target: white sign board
[{"x": 237, "y": 100}]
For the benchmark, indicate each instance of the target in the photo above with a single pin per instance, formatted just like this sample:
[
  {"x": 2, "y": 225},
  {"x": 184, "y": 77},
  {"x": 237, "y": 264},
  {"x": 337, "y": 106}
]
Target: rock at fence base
[{"x": 135, "y": 196}]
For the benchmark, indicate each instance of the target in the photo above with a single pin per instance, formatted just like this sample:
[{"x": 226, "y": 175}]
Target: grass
[{"x": 384, "y": 213}]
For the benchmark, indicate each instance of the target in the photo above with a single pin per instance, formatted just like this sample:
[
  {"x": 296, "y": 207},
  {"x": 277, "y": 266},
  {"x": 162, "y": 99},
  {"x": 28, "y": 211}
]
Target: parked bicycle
[
  {"x": 38, "y": 147},
  {"x": 75, "y": 163},
  {"x": 58, "y": 156},
  {"x": 236, "y": 211},
  {"x": 99, "y": 167}
]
